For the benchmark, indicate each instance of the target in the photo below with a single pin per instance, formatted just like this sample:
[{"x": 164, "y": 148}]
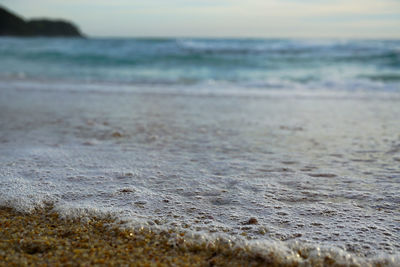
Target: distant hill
[{"x": 13, "y": 25}]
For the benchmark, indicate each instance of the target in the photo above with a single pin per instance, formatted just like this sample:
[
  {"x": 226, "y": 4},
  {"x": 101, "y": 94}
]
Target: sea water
[{"x": 206, "y": 134}]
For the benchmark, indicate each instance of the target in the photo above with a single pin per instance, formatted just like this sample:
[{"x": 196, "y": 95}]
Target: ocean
[{"x": 278, "y": 144}]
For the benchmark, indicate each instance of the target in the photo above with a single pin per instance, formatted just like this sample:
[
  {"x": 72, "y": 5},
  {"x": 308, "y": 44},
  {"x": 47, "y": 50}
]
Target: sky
[{"x": 222, "y": 18}]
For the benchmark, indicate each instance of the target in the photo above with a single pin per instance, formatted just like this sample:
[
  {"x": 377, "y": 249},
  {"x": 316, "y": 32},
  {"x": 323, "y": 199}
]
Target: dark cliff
[{"x": 12, "y": 25}]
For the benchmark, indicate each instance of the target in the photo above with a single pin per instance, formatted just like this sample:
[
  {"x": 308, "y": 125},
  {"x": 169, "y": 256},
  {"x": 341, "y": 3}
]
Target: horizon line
[{"x": 86, "y": 36}]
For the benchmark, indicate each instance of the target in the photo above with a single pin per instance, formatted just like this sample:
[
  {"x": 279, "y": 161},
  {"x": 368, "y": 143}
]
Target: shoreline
[{"x": 43, "y": 238}]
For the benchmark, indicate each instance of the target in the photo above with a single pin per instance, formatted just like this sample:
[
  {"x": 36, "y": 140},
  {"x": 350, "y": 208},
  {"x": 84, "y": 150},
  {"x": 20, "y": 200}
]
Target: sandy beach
[{"x": 42, "y": 238}]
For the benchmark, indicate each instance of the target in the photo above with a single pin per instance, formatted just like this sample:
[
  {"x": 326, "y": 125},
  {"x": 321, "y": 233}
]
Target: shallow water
[
  {"x": 322, "y": 169},
  {"x": 299, "y": 137}
]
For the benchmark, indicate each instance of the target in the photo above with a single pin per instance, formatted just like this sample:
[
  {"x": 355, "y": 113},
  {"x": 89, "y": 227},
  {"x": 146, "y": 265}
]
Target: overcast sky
[{"x": 222, "y": 18}]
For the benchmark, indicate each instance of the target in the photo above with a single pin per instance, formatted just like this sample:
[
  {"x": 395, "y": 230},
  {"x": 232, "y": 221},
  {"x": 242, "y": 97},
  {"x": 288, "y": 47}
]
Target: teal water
[{"x": 248, "y": 63}]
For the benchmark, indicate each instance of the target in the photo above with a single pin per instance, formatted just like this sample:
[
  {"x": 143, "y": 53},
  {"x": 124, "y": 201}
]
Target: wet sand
[{"x": 43, "y": 238}]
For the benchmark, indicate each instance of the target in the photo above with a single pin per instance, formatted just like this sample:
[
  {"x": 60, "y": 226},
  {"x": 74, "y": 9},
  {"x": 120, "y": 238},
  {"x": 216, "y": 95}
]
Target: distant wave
[
  {"x": 389, "y": 77},
  {"x": 243, "y": 62}
]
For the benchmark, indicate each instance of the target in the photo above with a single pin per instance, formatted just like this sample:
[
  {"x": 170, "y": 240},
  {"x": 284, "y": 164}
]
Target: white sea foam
[{"x": 316, "y": 172}]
